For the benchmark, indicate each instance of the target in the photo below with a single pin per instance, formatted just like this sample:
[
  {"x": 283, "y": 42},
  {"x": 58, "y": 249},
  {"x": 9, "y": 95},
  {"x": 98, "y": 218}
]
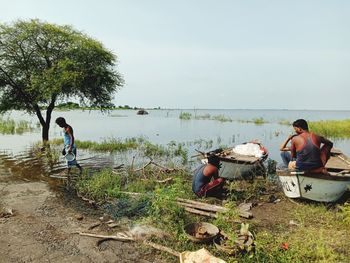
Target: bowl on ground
[{"x": 201, "y": 232}]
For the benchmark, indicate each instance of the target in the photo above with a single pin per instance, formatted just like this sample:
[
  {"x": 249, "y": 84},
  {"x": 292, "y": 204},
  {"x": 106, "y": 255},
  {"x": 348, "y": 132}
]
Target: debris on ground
[
  {"x": 6, "y": 213},
  {"x": 199, "y": 256}
]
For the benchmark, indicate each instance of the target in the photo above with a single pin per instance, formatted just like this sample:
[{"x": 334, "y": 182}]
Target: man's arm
[
  {"x": 293, "y": 149},
  {"x": 283, "y": 146},
  {"x": 69, "y": 132},
  {"x": 326, "y": 142}
]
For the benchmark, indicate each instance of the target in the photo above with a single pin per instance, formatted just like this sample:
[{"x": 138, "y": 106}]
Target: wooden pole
[
  {"x": 117, "y": 237},
  {"x": 162, "y": 248}
]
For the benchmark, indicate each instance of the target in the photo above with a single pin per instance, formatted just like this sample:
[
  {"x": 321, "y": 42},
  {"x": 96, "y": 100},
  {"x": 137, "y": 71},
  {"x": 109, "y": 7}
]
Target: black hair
[
  {"x": 61, "y": 121},
  {"x": 301, "y": 123},
  {"x": 214, "y": 160}
]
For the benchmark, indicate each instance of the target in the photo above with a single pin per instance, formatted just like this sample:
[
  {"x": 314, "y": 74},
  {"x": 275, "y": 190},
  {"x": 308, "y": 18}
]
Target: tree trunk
[
  {"x": 45, "y": 124},
  {"x": 45, "y": 132}
]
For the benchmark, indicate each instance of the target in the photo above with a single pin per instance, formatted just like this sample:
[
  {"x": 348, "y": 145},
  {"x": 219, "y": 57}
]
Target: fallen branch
[
  {"x": 119, "y": 236},
  {"x": 200, "y": 212},
  {"x": 164, "y": 169},
  {"x": 130, "y": 193},
  {"x": 58, "y": 177},
  {"x": 165, "y": 180},
  {"x": 94, "y": 225},
  {"x": 143, "y": 167},
  {"x": 118, "y": 167},
  {"x": 92, "y": 202},
  {"x": 124, "y": 237},
  {"x": 162, "y": 248}
]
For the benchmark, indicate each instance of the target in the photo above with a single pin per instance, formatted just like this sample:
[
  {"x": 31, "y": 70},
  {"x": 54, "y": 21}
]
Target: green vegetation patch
[
  {"x": 188, "y": 116},
  {"x": 140, "y": 144},
  {"x": 331, "y": 128},
  {"x": 318, "y": 233},
  {"x": 221, "y": 118},
  {"x": 257, "y": 121},
  {"x": 100, "y": 186},
  {"x": 185, "y": 116},
  {"x": 9, "y": 126}
]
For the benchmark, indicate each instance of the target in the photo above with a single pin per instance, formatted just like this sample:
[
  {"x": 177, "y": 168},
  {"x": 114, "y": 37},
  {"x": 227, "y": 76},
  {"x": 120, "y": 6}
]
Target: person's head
[
  {"x": 60, "y": 121},
  {"x": 300, "y": 125},
  {"x": 214, "y": 160}
]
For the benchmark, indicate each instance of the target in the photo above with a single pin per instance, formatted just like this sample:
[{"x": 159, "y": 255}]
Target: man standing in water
[
  {"x": 206, "y": 181},
  {"x": 69, "y": 146},
  {"x": 305, "y": 149}
]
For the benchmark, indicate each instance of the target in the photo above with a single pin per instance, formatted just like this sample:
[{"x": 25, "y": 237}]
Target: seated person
[
  {"x": 206, "y": 181},
  {"x": 306, "y": 153}
]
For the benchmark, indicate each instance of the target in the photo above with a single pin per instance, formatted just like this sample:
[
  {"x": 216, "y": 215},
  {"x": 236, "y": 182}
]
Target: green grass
[
  {"x": 101, "y": 186},
  {"x": 321, "y": 233},
  {"x": 339, "y": 129},
  {"x": 319, "y": 237}
]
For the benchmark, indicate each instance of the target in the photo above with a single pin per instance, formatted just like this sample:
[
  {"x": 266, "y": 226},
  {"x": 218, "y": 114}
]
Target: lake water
[{"x": 163, "y": 126}]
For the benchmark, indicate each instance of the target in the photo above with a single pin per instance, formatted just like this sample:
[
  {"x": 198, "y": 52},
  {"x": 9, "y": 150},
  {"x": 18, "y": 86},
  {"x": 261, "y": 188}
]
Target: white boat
[{"x": 322, "y": 187}]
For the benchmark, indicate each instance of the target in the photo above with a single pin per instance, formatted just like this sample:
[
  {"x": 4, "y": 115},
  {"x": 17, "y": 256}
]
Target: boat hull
[
  {"x": 328, "y": 187},
  {"x": 241, "y": 171}
]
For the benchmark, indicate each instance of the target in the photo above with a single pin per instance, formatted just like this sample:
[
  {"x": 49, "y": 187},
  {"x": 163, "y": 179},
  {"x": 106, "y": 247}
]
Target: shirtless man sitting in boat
[{"x": 305, "y": 152}]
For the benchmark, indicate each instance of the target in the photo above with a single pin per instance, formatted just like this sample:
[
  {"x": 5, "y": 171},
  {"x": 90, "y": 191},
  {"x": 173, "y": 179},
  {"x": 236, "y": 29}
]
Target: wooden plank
[
  {"x": 214, "y": 208},
  {"x": 338, "y": 161},
  {"x": 200, "y": 212},
  {"x": 190, "y": 204}
]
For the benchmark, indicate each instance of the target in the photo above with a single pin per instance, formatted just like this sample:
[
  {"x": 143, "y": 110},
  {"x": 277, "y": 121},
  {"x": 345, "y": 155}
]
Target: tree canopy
[{"x": 42, "y": 63}]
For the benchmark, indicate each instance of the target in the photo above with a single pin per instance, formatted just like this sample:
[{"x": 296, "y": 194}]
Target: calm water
[{"x": 163, "y": 126}]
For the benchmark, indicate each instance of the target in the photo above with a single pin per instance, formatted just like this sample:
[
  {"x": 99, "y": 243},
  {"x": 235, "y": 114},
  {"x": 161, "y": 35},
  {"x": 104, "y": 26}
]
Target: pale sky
[{"x": 257, "y": 54}]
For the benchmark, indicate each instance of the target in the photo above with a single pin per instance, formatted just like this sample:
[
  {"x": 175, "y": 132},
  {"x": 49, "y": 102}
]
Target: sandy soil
[{"x": 44, "y": 229}]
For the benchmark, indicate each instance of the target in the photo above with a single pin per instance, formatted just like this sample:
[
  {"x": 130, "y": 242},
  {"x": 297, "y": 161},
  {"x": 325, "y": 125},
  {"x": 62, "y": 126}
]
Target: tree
[{"x": 42, "y": 63}]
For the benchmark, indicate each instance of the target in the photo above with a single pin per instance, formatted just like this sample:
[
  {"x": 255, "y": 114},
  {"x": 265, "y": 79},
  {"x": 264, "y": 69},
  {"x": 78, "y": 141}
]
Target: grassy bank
[
  {"x": 332, "y": 128},
  {"x": 284, "y": 232}
]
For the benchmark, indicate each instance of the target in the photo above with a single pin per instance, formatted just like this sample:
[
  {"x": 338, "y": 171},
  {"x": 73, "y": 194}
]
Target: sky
[{"x": 223, "y": 54}]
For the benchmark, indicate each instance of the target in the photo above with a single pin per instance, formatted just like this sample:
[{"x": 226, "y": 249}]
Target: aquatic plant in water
[
  {"x": 9, "y": 126},
  {"x": 185, "y": 116}
]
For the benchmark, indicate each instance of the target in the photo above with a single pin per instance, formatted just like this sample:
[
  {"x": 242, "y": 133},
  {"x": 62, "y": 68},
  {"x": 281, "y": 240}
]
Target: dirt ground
[{"x": 44, "y": 228}]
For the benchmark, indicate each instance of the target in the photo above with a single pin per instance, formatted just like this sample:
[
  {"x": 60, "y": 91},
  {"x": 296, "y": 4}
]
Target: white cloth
[{"x": 250, "y": 149}]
